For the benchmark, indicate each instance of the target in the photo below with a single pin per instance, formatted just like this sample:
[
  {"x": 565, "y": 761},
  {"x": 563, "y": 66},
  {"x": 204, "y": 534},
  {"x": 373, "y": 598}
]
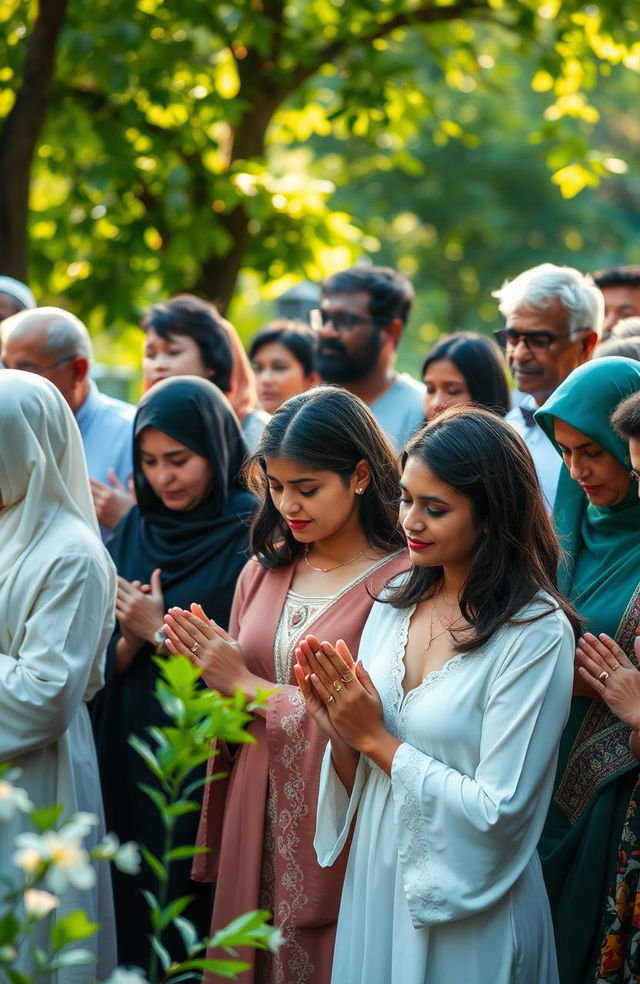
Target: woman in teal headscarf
[{"x": 597, "y": 517}]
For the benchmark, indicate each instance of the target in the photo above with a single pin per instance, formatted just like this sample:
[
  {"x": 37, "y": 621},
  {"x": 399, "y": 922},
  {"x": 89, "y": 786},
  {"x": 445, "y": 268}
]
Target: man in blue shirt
[
  {"x": 362, "y": 316},
  {"x": 55, "y": 344}
]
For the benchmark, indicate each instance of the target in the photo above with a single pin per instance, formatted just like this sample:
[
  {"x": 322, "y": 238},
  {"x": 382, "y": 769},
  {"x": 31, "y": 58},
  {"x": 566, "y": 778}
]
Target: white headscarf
[
  {"x": 19, "y": 291},
  {"x": 42, "y": 466}
]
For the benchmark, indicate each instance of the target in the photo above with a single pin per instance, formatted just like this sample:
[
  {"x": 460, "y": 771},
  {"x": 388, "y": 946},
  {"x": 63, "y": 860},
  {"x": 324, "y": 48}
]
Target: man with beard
[
  {"x": 554, "y": 319},
  {"x": 364, "y": 311}
]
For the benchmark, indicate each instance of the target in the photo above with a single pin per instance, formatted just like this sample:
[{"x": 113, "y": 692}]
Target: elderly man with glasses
[
  {"x": 55, "y": 344},
  {"x": 554, "y": 318}
]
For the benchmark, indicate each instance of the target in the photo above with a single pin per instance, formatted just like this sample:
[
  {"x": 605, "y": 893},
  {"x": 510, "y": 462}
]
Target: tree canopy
[{"x": 148, "y": 146}]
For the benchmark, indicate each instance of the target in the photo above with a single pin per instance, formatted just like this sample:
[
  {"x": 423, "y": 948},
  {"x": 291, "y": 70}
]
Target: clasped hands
[
  {"x": 339, "y": 694},
  {"x": 208, "y": 647}
]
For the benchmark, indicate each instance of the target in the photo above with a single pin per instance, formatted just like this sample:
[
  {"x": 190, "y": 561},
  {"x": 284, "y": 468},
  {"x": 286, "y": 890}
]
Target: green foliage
[
  {"x": 176, "y": 149},
  {"x": 198, "y": 717}
]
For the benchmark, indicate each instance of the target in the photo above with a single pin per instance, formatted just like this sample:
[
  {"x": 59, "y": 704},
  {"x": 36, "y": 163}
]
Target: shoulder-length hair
[
  {"x": 481, "y": 363},
  {"x": 482, "y": 457},
  {"x": 325, "y": 428}
]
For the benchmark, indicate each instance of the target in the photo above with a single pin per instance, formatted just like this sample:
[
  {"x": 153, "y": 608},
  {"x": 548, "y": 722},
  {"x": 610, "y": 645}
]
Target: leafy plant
[
  {"x": 199, "y": 717},
  {"x": 53, "y": 857}
]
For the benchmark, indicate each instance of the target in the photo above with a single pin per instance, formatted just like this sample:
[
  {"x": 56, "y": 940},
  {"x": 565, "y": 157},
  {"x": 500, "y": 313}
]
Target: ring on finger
[
  {"x": 194, "y": 649},
  {"x": 329, "y": 699},
  {"x": 603, "y": 676},
  {"x": 347, "y": 677},
  {"x": 336, "y": 685}
]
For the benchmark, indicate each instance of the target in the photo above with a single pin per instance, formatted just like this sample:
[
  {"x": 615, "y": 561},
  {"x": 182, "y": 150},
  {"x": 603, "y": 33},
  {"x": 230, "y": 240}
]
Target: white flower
[
  {"x": 107, "y": 848},
  {"x": 127, "y": 975},
  {"x": 39, "y": 903},
  {"x": 67, "y": 861},
  {"x": 79, "y": 825},
  {"x": 127, "y": 858},
  {"x": 12, "y": 799}
]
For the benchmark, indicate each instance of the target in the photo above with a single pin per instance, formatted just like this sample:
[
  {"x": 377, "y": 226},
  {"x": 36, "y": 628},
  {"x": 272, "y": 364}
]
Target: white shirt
[
  {"x": 545, "y": 456},
  {"x": 443, "y": 883}
]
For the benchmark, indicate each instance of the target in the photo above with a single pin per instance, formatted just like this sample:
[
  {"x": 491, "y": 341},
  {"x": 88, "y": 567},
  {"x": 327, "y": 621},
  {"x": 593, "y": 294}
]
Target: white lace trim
[
  {"x": 407, "y": 771},
  {"x": 395, "y": 715}
]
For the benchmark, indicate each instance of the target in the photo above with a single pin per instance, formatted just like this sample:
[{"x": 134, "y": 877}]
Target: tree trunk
[
  {"x": 219, "y": 273},
  {"x": 19, "y": 136}
]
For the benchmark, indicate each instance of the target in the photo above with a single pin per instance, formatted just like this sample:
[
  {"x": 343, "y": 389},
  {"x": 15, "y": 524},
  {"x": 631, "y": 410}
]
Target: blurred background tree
[{"x": 232, "y": 148}]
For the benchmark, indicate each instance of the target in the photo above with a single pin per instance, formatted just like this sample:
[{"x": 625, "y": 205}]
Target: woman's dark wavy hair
[
  {"x": 325, "y": 428},
  {"x": 480, "y": 456},
  {"x": 481, "y": 363},
  {"x": 186, "y": 314},
  {"x": 297, "y": 337}
]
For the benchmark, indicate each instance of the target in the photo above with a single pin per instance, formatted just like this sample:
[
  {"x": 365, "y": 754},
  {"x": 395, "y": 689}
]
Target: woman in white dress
[
  {"x": 57, "y": 610},
  {"x": 444, "y": 747}
]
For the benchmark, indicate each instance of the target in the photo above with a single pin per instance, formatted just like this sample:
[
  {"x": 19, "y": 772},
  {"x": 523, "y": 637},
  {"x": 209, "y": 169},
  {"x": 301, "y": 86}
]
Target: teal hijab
[{"x": 601, "y": 543}]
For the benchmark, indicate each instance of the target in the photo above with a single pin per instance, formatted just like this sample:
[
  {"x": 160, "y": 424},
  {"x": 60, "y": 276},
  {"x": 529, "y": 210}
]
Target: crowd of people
[{"x": 435, "y": 580}]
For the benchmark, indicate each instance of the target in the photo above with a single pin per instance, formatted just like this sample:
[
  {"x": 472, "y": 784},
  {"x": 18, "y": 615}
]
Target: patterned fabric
[
  {"x": 620, "y": 952},
  {"x": 601, "y": 749}
]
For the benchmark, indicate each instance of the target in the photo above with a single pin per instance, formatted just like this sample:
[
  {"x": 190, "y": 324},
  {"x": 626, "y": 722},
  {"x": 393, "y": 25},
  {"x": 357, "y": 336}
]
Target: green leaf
[
  {"x": 163, "y": 954},
  {"x": 9, "y": 928},
  {"x": 72, "y": 958},
  {"x": 176, "y": 853},
  {"x": 154, "y": 795},
  {"x": 151, "y": 900},
  {"x": 16, "y": 977},
  {"x": 154, "y": 863},
  {"x": 223, "y": 967},
  {"x": 143, "y": 749},
  {"x": 71, "y": 928},
  {"x": 250, "y": 929},
  {"x": 190, "y": 938},
  {"x": 46, "y": 817},
  {"x": 172, "y": 910}
]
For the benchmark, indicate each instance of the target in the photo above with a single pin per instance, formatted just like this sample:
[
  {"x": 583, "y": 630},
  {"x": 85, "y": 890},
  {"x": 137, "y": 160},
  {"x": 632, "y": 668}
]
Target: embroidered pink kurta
[{"x": 260, "y": 821}]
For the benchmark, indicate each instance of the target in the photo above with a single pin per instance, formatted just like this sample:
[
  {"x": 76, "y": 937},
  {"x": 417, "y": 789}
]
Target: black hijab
[{"x": 200, "y": 551}]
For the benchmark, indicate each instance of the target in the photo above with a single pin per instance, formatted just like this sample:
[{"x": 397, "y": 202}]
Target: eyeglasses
[
  {"x": 342, "y": 321},
  {"x": 535, "y": 341},
  {"x": 38, "y": 370}
]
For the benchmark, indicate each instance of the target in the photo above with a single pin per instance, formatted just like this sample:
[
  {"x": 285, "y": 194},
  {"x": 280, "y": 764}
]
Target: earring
[{"x": 359, "y": 491}]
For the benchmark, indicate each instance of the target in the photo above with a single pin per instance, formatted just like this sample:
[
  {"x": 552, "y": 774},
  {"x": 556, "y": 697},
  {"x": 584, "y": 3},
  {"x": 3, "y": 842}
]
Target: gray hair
[
  {"x": 65, "y": 334},
  {"x": 535, "y": 288},
  {"x": 627, "y": 327}
]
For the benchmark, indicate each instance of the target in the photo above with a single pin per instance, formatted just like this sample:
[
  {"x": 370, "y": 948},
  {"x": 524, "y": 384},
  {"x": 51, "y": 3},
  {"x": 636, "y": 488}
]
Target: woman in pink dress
[{"x": 326, "y": 540}]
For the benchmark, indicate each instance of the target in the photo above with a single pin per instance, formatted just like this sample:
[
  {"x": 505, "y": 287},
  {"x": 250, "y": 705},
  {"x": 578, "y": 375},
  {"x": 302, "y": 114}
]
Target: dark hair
[
  {"x": 618, "y": 276},
  {"x": 481, "y": 457},
  {"x": 628, "y": 348},
  {"x": 185, "y": 314},
  {"x": 325, "y": 428},
  {"x": 297, "y": 337},
  {"x": 481, "y": 363},
  {"x": 391, "y": 293},
  {"x": 625, "y": 419}
]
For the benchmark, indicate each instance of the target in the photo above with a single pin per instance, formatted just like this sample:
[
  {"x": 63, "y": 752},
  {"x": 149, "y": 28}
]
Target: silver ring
[
  {"x": 194, "y": 649},
  {"x": 329, "y": 699},
  {"x": 603, "y": 676}
]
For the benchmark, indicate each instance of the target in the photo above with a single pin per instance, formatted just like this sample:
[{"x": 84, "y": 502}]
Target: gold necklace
[
  {"x": 327, "y": 570},
  {"x": 447, "y": 628}
]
